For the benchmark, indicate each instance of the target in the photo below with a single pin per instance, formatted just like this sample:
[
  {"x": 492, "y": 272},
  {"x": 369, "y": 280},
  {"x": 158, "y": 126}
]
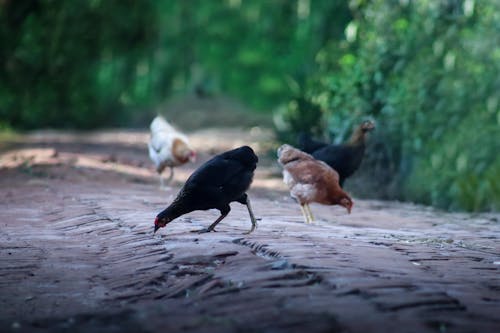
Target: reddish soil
[{"x": 78, "y": 252}]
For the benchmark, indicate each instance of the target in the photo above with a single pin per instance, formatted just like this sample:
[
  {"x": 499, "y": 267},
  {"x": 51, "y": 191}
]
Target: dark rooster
[
  {"x": 346, "y": 158},
  {"x": 214, "y": 185}
]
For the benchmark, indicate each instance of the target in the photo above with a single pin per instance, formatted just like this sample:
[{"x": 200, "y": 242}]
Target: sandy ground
[{"x": 78, "y": 253}]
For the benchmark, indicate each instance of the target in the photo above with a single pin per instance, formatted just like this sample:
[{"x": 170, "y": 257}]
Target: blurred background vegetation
[{"x": 427, "y": 71}]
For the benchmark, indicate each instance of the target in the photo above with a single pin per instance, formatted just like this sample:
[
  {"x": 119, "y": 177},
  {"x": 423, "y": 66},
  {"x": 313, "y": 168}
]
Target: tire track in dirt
[{"x": 78, "y": 254}]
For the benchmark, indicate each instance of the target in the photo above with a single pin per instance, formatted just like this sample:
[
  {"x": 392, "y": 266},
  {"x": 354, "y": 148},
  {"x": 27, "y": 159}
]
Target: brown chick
[{"x": 311, "y": 180}]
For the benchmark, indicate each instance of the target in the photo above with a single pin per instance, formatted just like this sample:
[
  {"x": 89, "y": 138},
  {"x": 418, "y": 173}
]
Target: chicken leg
[
  {"x": 171, "y": 174},
  {"x": 223, "y": 211},
  {"x": 244, "y": 200},
  {"x": 309, "y": 212},
  {"x": 162, "y": 185},
  {"x": 304, "y": 212},
  {"x": 162, "y": 182},
  {"x": 252, "y": 217},
  {"x": 212, "y": 226}
]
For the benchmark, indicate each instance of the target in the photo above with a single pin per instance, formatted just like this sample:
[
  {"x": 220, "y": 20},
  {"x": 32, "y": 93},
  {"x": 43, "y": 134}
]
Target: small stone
[{"x": 280, "y": 264}]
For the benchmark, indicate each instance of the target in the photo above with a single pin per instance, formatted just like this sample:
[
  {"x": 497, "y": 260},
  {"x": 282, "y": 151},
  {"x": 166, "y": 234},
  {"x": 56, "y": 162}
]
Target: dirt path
[{"x": 77, "y": 252}]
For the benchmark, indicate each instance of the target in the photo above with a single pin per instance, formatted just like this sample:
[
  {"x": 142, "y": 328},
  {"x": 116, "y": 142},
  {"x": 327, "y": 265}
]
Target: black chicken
[
  {"x": 346, "y": 158},
  {"x": 221, "y": 180}
]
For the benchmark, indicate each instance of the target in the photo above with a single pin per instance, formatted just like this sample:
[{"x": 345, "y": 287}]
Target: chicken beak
[
  {"x": 157, "y": 225},
  {"x": 350, "y": 207}
]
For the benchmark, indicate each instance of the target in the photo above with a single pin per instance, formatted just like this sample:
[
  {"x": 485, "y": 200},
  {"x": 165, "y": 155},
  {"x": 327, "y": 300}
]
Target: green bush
[{"x": 427, "y": 71}]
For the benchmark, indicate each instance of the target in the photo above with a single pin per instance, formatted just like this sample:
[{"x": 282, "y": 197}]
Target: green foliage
[
  {"x": 100, "y": 63},
  {"x": 299, "y": 115},
  {"x": 59, "y": 55},
  {"x": 427, "y": 71}
]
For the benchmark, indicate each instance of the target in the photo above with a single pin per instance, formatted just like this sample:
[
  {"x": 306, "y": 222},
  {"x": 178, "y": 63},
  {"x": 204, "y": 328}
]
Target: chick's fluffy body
[
  {"x": 167, "y": 146},
  {"x": 308, "y": 179}
]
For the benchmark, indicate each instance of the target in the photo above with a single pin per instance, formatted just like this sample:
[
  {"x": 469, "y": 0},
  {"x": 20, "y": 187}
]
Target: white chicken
[{"x": 168, "y": 147}]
